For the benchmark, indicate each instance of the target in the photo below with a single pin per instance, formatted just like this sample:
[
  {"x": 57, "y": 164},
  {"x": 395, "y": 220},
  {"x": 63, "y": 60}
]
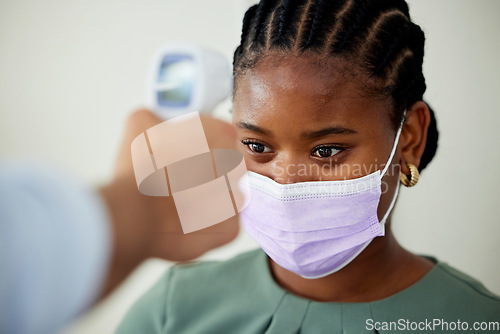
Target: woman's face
[
  {"x": 299, "y": 122},
  {"x": 297, "y": 125}
]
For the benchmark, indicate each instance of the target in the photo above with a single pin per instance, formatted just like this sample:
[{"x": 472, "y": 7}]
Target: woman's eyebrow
[
  {"x": 254, "y": 128},
  {"x": 332, "y": 130}
]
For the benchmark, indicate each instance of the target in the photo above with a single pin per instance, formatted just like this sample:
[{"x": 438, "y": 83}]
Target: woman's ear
[{"x": 414, "y": 135}]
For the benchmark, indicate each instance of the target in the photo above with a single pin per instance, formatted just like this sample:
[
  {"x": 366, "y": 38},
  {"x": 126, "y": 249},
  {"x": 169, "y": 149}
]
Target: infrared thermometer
[{"x": 185, "y": 78}]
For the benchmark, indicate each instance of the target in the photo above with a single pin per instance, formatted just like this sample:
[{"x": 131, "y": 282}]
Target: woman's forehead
[
  {"x": 313, "y": 74},
  {"x": 305, "y": 91}
]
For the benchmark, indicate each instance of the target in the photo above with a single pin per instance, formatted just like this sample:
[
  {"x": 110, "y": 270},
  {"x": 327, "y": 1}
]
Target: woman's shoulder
[
  {"x": 237, "y": 267},
  {"x": 444, "y": 293},
  {"x": 452, "y": 279},
  {"x": 243, "y": 277},
  {"x": 205, "y": 290}
]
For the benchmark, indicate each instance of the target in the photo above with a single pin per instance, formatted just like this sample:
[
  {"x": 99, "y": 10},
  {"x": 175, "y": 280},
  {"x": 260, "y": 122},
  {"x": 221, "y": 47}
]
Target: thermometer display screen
[{"x": 175, "y": 82}]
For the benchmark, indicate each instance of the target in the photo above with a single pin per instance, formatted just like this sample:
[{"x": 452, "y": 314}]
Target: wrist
[{"x": 131, "y": 222}]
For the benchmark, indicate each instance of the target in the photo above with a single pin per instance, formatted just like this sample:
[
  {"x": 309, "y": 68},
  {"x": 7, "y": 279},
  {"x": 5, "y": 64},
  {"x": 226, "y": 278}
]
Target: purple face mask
[{"x": 314, "y": 228}]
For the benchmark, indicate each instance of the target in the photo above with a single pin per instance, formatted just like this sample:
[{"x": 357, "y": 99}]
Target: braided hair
[{"x": 376, "y": 36}]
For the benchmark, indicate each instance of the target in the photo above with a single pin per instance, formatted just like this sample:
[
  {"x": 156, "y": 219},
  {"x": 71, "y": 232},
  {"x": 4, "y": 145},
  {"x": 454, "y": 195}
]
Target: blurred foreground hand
[{"x": 146, "y": 226}]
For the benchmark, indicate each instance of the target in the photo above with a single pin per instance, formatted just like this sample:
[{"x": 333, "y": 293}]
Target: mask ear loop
[
  {"x": 394, "y": 146},
  {"x": 395, "y": 197}
]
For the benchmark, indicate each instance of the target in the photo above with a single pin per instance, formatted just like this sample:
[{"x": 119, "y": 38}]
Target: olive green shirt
[{"x": 240, "y": 296}]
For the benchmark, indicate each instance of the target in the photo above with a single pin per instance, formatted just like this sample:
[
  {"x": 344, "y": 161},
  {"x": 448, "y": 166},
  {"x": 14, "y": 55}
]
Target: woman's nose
[{"x": 289, "y": 170}]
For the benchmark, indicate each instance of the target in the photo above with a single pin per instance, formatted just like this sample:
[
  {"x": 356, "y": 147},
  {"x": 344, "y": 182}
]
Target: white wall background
[{"x": 71, "y": 70}]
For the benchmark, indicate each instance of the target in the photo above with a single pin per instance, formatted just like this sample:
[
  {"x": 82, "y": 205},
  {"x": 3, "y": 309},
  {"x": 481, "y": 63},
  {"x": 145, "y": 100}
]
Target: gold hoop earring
[{"x": 414, "y": 174}]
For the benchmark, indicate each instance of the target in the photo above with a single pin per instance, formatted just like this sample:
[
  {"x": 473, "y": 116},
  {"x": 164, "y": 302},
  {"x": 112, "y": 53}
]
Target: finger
[{"x": 139, "y": 121}]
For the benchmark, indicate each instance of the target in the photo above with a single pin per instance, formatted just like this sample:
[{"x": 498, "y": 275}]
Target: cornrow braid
[
  {"x": 306, "y": 20},
  {"x": 377, "y": 36},
  {"x": 265, "y": 11},
  {"x": 352, "y": 27},
  {"x": 247, "y": 22},
  {"x": 283, "y": 27},
  {"x": 320, "y": 17}
]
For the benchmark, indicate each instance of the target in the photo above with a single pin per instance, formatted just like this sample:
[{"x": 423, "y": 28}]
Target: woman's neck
[{"x": 381, "y": 270}]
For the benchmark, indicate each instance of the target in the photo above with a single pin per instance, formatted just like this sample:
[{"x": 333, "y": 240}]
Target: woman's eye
[
  {"x": 257, "y": 147},
  {"x": 326, "y": 151}
]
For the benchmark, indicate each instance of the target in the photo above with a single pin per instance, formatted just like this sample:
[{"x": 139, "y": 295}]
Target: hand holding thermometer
[{"x": 185, "y": 78}]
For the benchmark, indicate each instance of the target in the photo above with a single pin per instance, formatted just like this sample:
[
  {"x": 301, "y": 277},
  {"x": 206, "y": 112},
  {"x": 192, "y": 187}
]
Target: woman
[{"x": 329, "y": 111}]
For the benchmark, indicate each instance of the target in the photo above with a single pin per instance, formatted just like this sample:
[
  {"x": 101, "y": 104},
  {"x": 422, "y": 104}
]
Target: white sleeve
[{"x": 55, "y": 244}]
